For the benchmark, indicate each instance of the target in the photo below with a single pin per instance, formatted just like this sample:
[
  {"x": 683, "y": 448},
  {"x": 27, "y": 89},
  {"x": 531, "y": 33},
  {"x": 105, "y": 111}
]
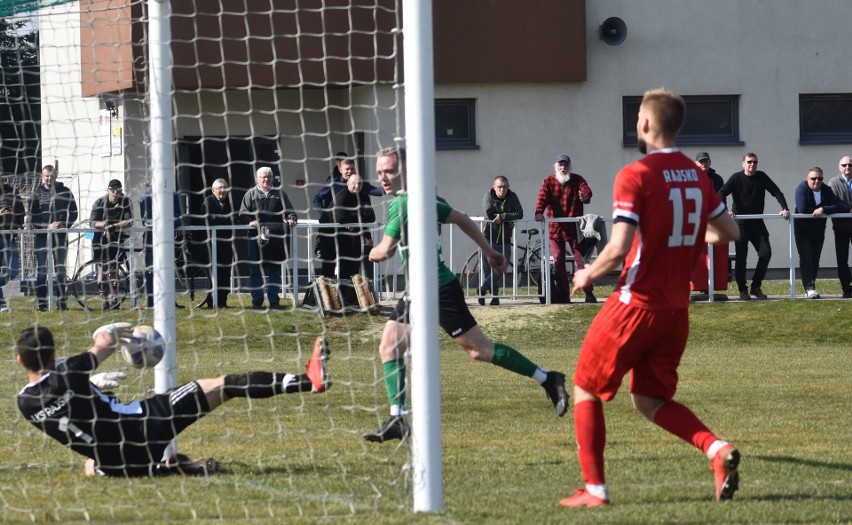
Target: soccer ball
[{"x": 145, "y": 349}]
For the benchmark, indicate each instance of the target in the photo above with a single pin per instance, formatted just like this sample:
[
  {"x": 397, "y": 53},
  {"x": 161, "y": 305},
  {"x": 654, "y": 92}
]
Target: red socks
[
  {"x": 681, "y": 422},
  {"x": 590, "y": 428}
]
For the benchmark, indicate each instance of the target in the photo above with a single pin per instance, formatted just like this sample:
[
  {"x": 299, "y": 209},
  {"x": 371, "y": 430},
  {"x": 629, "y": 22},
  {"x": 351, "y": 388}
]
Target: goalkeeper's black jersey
[{"x": 70, "y": 409}]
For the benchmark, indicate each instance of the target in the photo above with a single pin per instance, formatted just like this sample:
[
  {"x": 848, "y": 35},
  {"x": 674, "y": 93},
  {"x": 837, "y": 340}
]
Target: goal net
[{"x": 292, "y": 86}]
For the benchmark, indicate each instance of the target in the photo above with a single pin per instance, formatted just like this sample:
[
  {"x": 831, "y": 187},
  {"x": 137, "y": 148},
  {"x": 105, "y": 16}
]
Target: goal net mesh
[{"x": 286, "y": 84}]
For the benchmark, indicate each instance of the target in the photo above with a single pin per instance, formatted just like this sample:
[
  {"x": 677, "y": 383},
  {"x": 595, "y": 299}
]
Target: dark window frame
[
  {"x": 692, "y": 133},
  {"x": 466, "y": 108},
  {"x": 823, "y": 117}
]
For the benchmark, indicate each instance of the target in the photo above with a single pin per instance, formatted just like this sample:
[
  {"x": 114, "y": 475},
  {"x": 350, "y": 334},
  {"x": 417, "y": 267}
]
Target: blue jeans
[
  {"x": 492, "y": 280},
  {"x": 260, "y": 269},
  {"x": 6, "y": 243}
]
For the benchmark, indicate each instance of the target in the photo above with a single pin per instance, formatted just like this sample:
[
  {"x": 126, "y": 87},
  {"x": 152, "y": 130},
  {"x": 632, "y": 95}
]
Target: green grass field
[{"x": 772, "y": 377}]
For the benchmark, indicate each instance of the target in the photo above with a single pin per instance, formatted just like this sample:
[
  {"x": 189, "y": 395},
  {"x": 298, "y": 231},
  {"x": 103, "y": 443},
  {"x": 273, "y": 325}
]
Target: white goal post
[{"x": 168, "y": 98}]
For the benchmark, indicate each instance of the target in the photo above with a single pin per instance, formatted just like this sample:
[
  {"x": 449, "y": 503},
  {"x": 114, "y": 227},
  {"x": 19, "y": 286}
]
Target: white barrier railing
[{"x": 303, "y": 235}]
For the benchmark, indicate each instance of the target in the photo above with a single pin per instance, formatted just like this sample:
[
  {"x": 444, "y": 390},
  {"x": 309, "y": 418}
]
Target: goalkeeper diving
[{"x": 67, "y": 402}]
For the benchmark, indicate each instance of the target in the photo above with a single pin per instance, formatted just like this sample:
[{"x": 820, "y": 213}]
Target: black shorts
[
  {"x": 164, "y": 417},
  {"x": 453, "y": 314}
]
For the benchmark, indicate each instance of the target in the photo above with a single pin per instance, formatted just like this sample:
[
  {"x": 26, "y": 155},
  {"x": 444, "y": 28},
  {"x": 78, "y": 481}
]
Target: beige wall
[{"x": 767, "y": 55}]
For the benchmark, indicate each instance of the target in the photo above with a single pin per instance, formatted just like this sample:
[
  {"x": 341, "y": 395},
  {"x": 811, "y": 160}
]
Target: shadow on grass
[{"x": 845, "y": 467}]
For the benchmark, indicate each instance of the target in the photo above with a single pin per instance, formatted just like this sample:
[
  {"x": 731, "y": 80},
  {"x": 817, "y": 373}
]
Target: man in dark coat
[
  {"x": 269, "y": 210},
  {"x": 51, "y": 207}
]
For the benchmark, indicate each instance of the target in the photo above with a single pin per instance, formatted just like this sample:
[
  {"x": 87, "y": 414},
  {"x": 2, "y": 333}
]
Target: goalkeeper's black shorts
[{"x": 146, "y": 436}]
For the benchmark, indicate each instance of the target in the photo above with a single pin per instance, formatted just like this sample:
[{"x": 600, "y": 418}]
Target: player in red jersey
[{"x": 663, "y": 210}]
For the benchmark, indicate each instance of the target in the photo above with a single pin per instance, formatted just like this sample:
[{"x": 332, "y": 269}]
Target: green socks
[
  {"x": 395, "y": 381},
  {"x": 507, "y": 357}
]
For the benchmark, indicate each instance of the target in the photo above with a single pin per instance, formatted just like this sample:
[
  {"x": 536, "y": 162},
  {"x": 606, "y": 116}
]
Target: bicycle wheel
[
  {"x": 533, "y": 265},
  {"x": 94, "y": 295},
  {"x": 193, "y": 285},
  {"x": 469, "y": 276}
]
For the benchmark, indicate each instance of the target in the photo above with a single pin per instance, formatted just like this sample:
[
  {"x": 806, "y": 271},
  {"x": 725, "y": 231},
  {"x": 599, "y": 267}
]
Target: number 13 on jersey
[{"x": 685, "y": 225}]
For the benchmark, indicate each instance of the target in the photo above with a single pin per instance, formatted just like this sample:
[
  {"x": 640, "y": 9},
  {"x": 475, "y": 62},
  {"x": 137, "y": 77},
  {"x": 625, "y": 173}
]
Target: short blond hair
[{"x": 668, "y": 109}]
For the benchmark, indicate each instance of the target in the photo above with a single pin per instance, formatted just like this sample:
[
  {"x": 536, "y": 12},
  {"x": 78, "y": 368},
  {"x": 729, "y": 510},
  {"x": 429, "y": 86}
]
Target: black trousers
[
  {"x": 842, "y": 239},
  {"x": 809, "y": 246},
  {"x": 753, "y": 232}
]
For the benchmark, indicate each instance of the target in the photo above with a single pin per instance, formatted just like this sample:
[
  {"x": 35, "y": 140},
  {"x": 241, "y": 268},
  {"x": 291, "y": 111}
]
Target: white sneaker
[
  {"x": 4, "y": 308},
  {"x": 812, "y": 294}
]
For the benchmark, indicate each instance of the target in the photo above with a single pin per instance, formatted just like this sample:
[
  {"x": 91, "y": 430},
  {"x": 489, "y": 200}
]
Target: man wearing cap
[
  {"x": 700, "y": 276},
  {"x": 110, "y": 214},
  {"x": 51, "y": 207},
  {"x": 563, "y": 194},
  {"x": 703, "y": 162}
]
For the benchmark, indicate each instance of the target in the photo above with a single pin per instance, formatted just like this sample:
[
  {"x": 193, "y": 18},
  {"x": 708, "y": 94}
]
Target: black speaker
[{"x": 613, "y": 31}]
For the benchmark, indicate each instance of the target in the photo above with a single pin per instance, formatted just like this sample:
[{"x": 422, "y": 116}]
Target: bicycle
[
  {"x": 192, "y": 282},
  {"x": 529, "y": 265}
]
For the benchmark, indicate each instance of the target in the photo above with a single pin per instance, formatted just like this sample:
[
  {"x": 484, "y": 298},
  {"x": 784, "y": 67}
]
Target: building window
[
  {"x": 455, "y": 123},
  {"x": 825, "y": 118},
  {"x": 710, "y": 119}
]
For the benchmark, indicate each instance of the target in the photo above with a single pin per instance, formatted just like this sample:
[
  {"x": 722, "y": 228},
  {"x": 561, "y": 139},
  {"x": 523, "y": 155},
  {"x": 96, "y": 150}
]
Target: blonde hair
[{"x": 668, "y": 109}]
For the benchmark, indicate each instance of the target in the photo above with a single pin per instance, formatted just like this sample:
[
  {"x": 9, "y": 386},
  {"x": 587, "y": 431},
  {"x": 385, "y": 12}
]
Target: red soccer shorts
[{"x": 621, "y": 339}]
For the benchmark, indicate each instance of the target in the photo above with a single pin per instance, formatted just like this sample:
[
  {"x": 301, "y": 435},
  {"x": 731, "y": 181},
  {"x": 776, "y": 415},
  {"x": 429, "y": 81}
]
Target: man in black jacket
[
  {"x": 51, "y": 207},
  {"x": 217, "y": 211},
  {"x": 323, "y": 201},
  {"x": 110, "y": 215},
  {"x": 502, "y": 208},
  {"x": 352, "y": 206},
  {"x": 748, "y": 189},
  {"x": 11, "y": 218}
]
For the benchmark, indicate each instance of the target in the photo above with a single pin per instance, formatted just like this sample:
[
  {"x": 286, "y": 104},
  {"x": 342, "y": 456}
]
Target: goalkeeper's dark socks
[{"x": 259, "y": 385}]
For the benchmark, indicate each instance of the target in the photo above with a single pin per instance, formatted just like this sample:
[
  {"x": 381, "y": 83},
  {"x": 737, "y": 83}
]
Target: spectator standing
[
  {"x": 700, "y": 274},
  {"x": 703, "y": 161},
  {"x": 748, "y": 189},
  {"x": 323, "y": 201},
  {"x": 563, "y": 194},
  {"x": 502, "y": 207},
  {"x": 218, "y": 211},
  {"x": 352, "y": 206},
  {"x": 269, "y": 211},
  {"x": 52, "y": 207},
  {"x": 110, "y": 215},
  {"x": 644, "y": 324},
  {"x": 11, "y": 218},
  {"x": 814, "y": 198},
  {"x": 336, "y": 172},
  {"x": 841, "y": 185}
]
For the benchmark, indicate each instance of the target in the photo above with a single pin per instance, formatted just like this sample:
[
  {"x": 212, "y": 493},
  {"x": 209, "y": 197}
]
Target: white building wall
[
  {"x": 70, "y": 122},
  {"x": 766, "y": 51}
]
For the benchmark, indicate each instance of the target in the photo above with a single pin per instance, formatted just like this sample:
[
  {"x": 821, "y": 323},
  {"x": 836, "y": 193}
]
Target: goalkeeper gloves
[
  {"x": 106, "y": 380},
  {"x": 118, "y": 331}
]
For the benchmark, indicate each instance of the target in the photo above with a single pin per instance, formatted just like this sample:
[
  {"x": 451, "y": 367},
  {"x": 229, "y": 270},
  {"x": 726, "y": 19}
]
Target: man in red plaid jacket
[{"x": 563, "y": 194}]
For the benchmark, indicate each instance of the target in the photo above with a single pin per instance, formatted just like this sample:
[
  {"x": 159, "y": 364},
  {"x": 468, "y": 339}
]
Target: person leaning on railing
[
  {"x": 110, "y": 215},
  {"x": 814, "y": 198},
  {"x": 841, "y": 185},
  {"x": 51, "y": 207},
  {"x": 748, "y": 190},
  {"x": 502, "y": 209}
]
